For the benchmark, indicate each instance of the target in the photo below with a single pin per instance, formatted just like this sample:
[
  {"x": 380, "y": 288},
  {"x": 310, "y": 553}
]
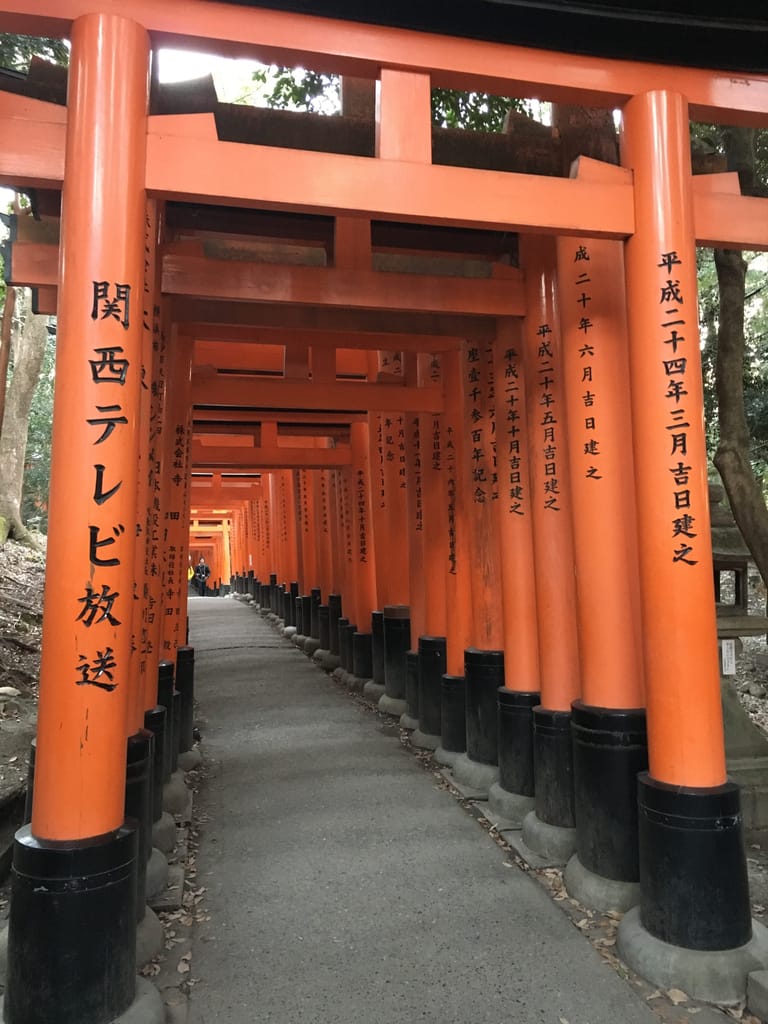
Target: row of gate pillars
[{"x": 567, "y": 609}]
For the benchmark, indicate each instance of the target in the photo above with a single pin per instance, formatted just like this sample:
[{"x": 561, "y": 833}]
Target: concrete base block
[
  {"x": 175, "y": 794},
  {"x": 406, "y": 722},
  {"x": 392, "y": 705},
  {"x": 298, "y": 640},
  {"x": 147, "y": 1006},
  {"x": 714, "y": 977},
  {"x": 190, "y": 759},
  {"x": 757, "y": 994},
  {"x": 330, "y": 662},
  {"x": 556, "y": 844},
  {"x": 355, "y": 683},
  {"x": 425, "y": 740},
  {"x": 513, "y": 807},
  {"x": 157, "y": 873},
  {"x": 164, "y": 833},
  {"x": 318, "y": 655},
  {"x": 475, "y": 774},
  {"x": 311, "y": 644},
  {"x": 289, "y": 632},
  {"x": 596, "y": 892},
  {"x": 532, "y": 859},
  {"x": 150, "y": 938},
  {"x": 338, "y": 673},
  {"x": 446, "y": 757},
  {"x": 373, "y": 691}
]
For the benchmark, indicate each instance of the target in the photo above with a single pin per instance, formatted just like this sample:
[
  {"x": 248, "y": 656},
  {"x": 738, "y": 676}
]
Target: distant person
[{"x": 202, "y": 572}]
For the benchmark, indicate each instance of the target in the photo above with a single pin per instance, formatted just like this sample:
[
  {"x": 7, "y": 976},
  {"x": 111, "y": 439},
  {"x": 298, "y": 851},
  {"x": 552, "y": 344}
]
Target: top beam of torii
[{"x": 360, "y": 50}]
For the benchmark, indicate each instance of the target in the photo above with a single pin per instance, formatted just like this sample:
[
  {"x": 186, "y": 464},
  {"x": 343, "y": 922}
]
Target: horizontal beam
[
  {"x": 254, "y": 418},
  {"x": 256, "y": 459},
  {"x": 345, "y": 396},
  {"x": 372, "y": 341},
  {"x": 359, "y": 49},
  {"x": 350, "y": 289},
  {"x": 236, "y": 174}
]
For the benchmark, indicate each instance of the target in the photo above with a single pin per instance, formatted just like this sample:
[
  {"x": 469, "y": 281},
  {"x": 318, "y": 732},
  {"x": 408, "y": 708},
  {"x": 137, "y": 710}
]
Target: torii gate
[{"x": 128, "y": 302}]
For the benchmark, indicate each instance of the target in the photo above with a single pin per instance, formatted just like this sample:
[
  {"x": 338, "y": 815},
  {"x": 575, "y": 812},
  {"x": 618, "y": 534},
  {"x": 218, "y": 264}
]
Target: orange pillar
[
  {"x": 553, "y": 552},
  {"x": 78, "y": 835},
  {"x": 694, "y": 883},
  {"x": 513, "y": 795},
  {"x": 80, "y": 766},
  {"x": 434, "y": 509},
  {"x": 363, "y": 541},
  {"x": 595, "y": 371},
  {"x": 175, "y": 526}
]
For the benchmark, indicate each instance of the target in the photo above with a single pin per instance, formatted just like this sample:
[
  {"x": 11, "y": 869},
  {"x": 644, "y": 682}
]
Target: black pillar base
[
  {"x": 324, "y": 628},
  {"x": 165, "y": 692},
  {"x": 553, "y": 767},
  {"x": 484, "y": 674},
  {"x": 314, "y": 613},
  {"x": 515, "y": 709},
  {"x": 411, "y": 690},
  {"x": 453, "y": 719},
  {"x": 432, "y": 658},
  {"x": 334, "y": 615},
  {"x": 154, "y": 721},
  {"x": 362, "y": 655},
  {"x": 346, "y": 633},
  {"x": 610, "y": 749},
  {"x": 693, "y": 868},
  {"x": 397, "y": 641},
  {"x": 341, "y": 625},
  {"x": 377, "y": 640},
  {"x": 185, "y": 684},
  {"x": 138, "y": 806},
  {"x": 72, "y": 929}
]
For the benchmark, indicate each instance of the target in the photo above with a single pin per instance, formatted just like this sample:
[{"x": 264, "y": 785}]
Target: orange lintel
[
  {"x": 345, "y": 395},
  {"x": 225, "y": 333},
  {"x": 256, "y": 459},
  {"x": 268, "y": 282},
  {"x": 361, "y": 50},
  {"x": 245, "y": 175}
]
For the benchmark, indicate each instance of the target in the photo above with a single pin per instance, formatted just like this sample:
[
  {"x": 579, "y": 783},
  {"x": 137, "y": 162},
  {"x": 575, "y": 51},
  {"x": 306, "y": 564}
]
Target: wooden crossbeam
[
  {"x": 346, "y": 396},
  {"x": 257, "y": 459}
]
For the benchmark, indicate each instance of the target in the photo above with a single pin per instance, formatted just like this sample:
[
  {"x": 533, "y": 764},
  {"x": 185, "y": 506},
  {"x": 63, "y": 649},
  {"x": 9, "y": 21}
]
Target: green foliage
[
  {"x": 34, "y": 501},
  {"x": 16, "y": 52},
  {"x": 300, "y": 89}
]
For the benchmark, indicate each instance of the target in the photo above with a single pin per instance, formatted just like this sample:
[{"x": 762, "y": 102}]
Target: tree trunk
[
  {"x": 6, "y": 326},
  {"x": 744, "y": 491},
  {"x": 28, "y": 352}
]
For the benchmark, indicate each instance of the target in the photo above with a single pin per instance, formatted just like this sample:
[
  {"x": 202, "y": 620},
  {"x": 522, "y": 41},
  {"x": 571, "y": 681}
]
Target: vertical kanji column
[
  {"x": 362, "y": 667},
  {"x": 549, "y": 830},
  {"x": 608, "y": 722},
  {"x": 693, "y": 878},
  {"x": 478, "y": 478},
  {"x": 513, "y": 795},
  {"x": 77, "y": 860}
]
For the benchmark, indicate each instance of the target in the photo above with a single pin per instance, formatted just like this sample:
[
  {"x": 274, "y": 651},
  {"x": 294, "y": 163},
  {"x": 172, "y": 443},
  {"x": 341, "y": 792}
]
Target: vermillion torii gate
[{"x": 133, "y": 299}]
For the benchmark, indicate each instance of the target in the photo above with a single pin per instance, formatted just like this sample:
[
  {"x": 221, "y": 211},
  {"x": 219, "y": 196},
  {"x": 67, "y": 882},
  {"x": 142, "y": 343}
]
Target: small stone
[
  {"x": 9, "y": 691},
  {"x": 757, "y": 690}
]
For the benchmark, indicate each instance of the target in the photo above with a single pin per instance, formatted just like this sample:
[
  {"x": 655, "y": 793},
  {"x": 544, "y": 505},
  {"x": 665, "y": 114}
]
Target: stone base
[
  {"x": 329, "y": 662},
  {"x": 475, "y": 774},
  {"x": 424, "y": 740},
  {"x": 513, "y": 807},
  {"x": 598, "y": 893},
  {"x": 406, "y": 722},
  {"x": 311, "y": 644},
  {"x": 190, "y": 759},
  {"x": 447, "y": 757},
  {"x": 556, "y": 844},
  {"x": 355, "y": 683},
  {"x": 373, "y": 691},
  {"x": 150, "y": 938},
  {"x": 338, "y": 674},
  {"x": 289, "y": 632},
  {"x": 714, "y": 977},
  {"x": 319, "y": 654},
  {"x": 392, "y": 705},
  {"x": 751, "y": 774},
  {"x": 298, "y": 640},
  {"x": 175, "y": 794},
  {"x": 164, "y": 833},
  {"x": 157, "y": 873}
]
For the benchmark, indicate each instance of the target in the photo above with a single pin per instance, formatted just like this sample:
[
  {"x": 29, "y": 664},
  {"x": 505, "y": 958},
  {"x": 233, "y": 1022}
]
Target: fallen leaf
[{"x": 677, "y": 996}]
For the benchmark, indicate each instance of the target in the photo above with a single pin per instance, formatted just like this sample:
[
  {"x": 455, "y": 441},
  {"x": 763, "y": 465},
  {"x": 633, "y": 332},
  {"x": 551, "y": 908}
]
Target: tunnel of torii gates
[{"x": 459, "y": 405}]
